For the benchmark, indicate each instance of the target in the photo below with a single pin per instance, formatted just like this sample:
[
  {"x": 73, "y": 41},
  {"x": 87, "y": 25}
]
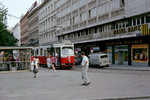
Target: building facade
[
  {"x": 33, "y": 25},
  {"x": 117, "y": 27},
  {"x": 16, "y": 33},
  {"x": 47, "y": 23},
  {"x": 24, "y": 30}
]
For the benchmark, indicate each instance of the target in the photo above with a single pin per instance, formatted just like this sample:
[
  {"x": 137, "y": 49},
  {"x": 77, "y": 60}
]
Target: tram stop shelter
[{"x": 15, "y": 58}]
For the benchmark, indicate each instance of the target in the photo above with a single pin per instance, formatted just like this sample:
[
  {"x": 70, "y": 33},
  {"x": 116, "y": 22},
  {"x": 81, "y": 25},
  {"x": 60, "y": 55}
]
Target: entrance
[{"x": 121, "y": 55}]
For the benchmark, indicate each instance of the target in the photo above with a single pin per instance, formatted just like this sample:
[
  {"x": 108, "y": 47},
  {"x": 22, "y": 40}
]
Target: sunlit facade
[{"x": 117, "y": 27}]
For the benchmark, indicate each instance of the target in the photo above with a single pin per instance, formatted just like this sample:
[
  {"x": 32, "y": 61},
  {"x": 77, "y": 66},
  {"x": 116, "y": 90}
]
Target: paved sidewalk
[
  {"x": 127, "y": 67},
  {"x": 65, "y": 85}
]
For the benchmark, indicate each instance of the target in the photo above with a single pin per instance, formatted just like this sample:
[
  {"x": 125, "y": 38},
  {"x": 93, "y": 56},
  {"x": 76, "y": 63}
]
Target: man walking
[{"x": 85, "y": 66}]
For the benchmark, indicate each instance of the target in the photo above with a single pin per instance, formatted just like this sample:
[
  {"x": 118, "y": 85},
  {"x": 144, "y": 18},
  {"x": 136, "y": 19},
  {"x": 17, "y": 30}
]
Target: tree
[
  {"x": 3, "y": 13},
  {"x": 6, "y": 38}
]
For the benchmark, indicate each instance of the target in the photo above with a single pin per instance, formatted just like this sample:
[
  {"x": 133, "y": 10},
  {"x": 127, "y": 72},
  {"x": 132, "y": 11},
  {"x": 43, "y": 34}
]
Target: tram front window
[{"x": 67, "y": 51}]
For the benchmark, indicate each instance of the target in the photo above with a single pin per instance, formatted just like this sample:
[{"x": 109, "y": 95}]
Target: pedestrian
[
  {"x": 49, "y": 63},
  {"x": 36, "y": 66},
  {"x": 32, "y": 64},
  {"x": 85, "y": 66}
]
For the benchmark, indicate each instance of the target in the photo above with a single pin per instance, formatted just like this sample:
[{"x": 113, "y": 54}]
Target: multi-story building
[
  {"x": 24, "y": 30},
  {"x": 117, "y": 27},
  {"x": 47, "y": 23},
  {"x": 16, "y": 33},
  {"x": 33, "y": 25}
]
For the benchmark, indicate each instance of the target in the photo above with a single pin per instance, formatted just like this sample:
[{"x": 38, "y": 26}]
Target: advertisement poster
[{"x": 140, "y": 53}]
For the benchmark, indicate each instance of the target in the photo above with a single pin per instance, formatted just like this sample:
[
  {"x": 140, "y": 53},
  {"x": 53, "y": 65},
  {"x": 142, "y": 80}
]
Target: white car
[{"x": 99, "y": 59}]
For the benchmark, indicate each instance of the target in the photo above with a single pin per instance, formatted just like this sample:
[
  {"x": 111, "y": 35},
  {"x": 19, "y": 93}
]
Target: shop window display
[{"x": 140, "y": 53}]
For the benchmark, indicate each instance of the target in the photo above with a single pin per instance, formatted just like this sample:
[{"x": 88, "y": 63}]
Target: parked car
[{"x": 99, "y": 59}]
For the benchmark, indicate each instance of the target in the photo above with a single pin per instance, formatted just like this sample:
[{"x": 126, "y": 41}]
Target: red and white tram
[{"x": 64, "y": 54}]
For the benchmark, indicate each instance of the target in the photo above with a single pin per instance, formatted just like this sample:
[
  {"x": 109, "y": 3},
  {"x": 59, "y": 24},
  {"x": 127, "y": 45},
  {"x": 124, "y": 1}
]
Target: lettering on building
[
  {"x": 126, "y": 30},
  {"x": 125, "y": 42}
]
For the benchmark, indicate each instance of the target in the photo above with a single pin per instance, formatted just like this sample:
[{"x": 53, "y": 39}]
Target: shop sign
[
  {"x": 125, "y": 42},
  {"x": 135, "y": 28},
  {"x": 126, "y": 30}
]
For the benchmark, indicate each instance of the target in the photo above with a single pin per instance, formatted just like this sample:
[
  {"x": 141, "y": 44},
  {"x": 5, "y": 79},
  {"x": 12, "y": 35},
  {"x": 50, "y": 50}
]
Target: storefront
[
  {"x": 139, "y": 54},
  {"x": 124, "y": 51},
  {"x": 129, "y": 51},
  {"x": 121, "y": 54}
]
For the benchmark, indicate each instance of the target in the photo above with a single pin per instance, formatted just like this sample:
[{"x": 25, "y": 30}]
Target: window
[
  {"x": 83, "y": 16},
  {"x": 120, "y": 25},
  {"x": 122, "y": 3},
  {"x": 104, "y": 8},
  {"x": 67, "y": 51},
  {"x": 89, "y": 13},
  {"x": 142, "y": 20},
  {"x": 86, "y": 32},
  {"x": 79, "y": 34},
  {"x": 75, "y": 6},
  {"x": 93, "y": 30},
  {"x": 93, "y": 13},
  {"x": 129, "y": 23},
  {"x": 115, "y": 4},
  {"x": 67, "y": 23},
  {"x": 138, "y": 21},
  {"x": 148, "y": 18},
  {"x": 116, "y": 26},
  {"x": 83, "y": 2},
  {"x": 104, "y": 56},
  {"x": 113, "y": 26},
  {"x": 75, "y": 19},
  {"x": 134, "y": 22},
  {"x": 89, "y": 31}
]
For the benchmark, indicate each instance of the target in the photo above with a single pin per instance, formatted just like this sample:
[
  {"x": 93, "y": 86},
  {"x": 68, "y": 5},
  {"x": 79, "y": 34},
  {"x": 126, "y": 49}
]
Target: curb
[
  {"x": 113, "y": 68},
  {"x": 5, "y": 72},
  {"x": 127, "y": 98}
]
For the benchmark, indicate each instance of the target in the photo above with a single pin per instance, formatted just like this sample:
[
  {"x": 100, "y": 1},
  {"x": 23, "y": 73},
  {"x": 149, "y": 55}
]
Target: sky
[{"x": 16, "y": 8}]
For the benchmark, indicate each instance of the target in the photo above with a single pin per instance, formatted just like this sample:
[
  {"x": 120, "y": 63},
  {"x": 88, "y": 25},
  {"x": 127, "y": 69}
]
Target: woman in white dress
[
  {"x": 35, "y": 63},
  {"x": 49, "y": 63}
]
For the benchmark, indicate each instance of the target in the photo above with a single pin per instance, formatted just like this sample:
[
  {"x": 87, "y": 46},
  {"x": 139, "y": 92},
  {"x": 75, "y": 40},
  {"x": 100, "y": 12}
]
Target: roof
[{"x": 15, "y": 48}]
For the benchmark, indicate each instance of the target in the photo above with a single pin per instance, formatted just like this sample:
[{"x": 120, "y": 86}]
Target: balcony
[
  {"x": 118, "y": 12},
  {"x": 92, "y": 20}
]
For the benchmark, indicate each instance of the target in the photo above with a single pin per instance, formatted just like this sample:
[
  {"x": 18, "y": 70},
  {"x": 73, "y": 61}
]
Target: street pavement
[{"x": 66, "y": 85}]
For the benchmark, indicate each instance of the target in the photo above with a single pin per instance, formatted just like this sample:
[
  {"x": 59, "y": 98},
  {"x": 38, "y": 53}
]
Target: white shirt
[
  {"x": 84, "y": 59},
  {"x": 35, "y": 61},
  {"x": 48, "y": 60}
]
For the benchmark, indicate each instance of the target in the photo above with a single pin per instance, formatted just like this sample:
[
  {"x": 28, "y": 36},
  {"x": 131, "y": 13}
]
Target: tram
[{"x": 64, "y": 53}]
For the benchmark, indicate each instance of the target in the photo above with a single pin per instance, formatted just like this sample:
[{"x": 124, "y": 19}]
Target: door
[
  {"x": 58, "y": 57},
  {"x": 120, "y": 58}
]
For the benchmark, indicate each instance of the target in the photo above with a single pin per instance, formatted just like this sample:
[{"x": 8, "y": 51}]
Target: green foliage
[
  {"x": 6, "y": 38},
  {"x": 3, "y": 12}
]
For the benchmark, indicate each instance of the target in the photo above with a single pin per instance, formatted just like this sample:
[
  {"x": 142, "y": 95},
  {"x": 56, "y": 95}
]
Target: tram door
[{"x": 58, "y": 56}]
